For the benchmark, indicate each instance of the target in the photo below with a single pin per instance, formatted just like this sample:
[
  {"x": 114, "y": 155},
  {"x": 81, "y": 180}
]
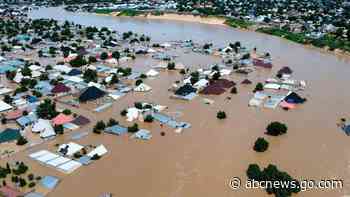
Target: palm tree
[{"x": 116, "y": 55}]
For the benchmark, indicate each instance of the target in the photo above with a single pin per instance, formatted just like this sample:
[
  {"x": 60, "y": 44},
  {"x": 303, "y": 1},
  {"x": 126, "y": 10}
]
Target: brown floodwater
[{"x": 201, "y": 160}]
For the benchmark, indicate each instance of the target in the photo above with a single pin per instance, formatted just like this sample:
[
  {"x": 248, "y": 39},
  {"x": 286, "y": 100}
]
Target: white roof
[
  {"x": 100, "y": 151},
  {"x": 180, "y": 66},
  {"x": 2, "y": 58},
  {"x": 47, "y": 157},
  {"x": 201, "y": 83},
  {"x": 142, "y": 88},
  {"x": 272, "y": 86},
  {"x": 69, "y": 167},
  {"x": 72, "y": 148},
  {"x": 62, "y": 68},
  {"x": 97, "y": 85},
  {"x": 34, "y": 67},
  {"x": 36, "y": 73},
  {"x": 44, "y": 127},
  {"x": 225, "y": 71},
  {"x": 75, "y": 79},
  {"x": 133, "y": 113},
  {"x": 112, "y": 61},
  {"x": 4, "y": 106},
  {"x": 38, "y": 154},
  {"x": 152, "y": 73},
  {"x": 255, "y": 102},
  {"x": 5, "y": 91},
  {"x": 18, "y": 78},
  {"x": 58, "y": 161},
  {"x": 260, "y": 95}
]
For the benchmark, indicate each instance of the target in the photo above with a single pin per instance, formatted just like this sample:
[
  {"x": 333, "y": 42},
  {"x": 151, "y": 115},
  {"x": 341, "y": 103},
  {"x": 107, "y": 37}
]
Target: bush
[
  {"x": 59, "y": 129},
  {"x": 276, "y": 129},
  {"x": 259, "y": 87},
  {"x": 30, "y": 177},
  {"x": 112, "y": 122},
  {"x": 95, "y": 157},
  {"x": 134, "y": 128},
  {"x": 31, "y": 185},
  {"x": 149, "y": 118},
  {"x": 216, "y": 76},
  {"x": 272, "y": 174},
  {"x": 143, "y": 76},
  {"x": 171, "y": 66},
  {"x": 138, "y": 105},
  {"x": 221, "y": 115},
  {"x": 22, "y": 182},
  {"x": 67, "y": 112},
  {"x": 234, "y": 90},
  {"x": 261, "y": 145},
  {"x": 123, "y": 112},
  {"x": 138, "y": 82},
  {"x": 100, "y": 125},
  {"x": 21, "y": 141}
]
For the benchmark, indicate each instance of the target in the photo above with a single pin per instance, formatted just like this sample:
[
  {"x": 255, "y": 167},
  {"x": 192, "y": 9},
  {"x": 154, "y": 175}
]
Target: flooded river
[{"x": 200, "y": 161}]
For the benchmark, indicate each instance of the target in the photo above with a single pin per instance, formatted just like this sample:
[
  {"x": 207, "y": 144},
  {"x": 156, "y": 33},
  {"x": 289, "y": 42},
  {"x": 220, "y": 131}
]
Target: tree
[
  {"x": 254, "y": 172},
  {"x": 261, "y": 145},
  {"x": 259, "y": 87},
  {"x": 100, "y": 125},
  {"x": 21, "y": 141},
  {"x": 8, "y": 99},
  {"x": 90, "y": 75},
  {"x": 67, "y": 112},
  {"x": 116, "y": 55},
  {"x": 112, "y": 122},
  {"x": 276, "y": 129},
  {"x": 149, "y": 118},
  {"x": 216, "y": 76},
  {"x": 123, "y": 112},
  {"x": 78, "y": 61},
  {"x": 26, "y": 71},
  {"x": 134, "y": 128},
  {"x": 171, "y": 66},
  {"x": 104, "y": 56},
  {"x": 47, "y": 110},
  {"x": 95, "y": 157},
  {"x": 221, "y": 115},
  {"x": 234, "y": 90},
  {"x": 59, "y": 130},
  {"x": 114, "y": 79},
  {"x": 22, "y": 182},
  {"x": 138, "y": 82},
  {"x": 92, "y": 59}
]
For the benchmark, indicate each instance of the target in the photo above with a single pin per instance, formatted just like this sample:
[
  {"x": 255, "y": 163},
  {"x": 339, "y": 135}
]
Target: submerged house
[
  {"x": 9, "y": 135},
  {"x": 116, "y": 129},
  {"x": 91, "y": 93}
]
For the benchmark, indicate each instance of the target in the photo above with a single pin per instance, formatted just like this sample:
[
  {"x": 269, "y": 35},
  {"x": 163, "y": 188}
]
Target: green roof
[{"x": 9, "y": 135}]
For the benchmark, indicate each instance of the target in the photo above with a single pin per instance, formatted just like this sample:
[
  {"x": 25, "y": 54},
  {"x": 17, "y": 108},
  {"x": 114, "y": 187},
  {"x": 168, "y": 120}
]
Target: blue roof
[
  {"x": 346, "y": 129},
  {"x": 32, "y": 99},
  {"x": 74, "y": 72},
  {"x": 49, "y": 182},
  {"x": 116, "y": 129},
  {"x": 9, "y": 135},
  {"x": 26, "y": 120},
  {"x": 164, "y": 119},
  {"x": 5, "y": 68},
  {"x": 85, "y": 160},
  {"x": 34, "y": 194},
  {"x": 143, "y": 134}
]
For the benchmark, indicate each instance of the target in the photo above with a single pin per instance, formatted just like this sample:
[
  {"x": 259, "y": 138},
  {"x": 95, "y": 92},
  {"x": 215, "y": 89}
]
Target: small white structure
[
  {"x": 273, "y": 86},
  {"x": 152, "y": 73},
  {"x": 4, "y": 106},
  {"x": 202, "y": 83},
  {"x": 69, "y": 167},
  {"x": 100, "y": 151},
  {"x": 43, "y": 127},
  {"x": 142, "y": 88},
  {"x": 69, "y": 149},
  {"x": 133, "y": 114}
]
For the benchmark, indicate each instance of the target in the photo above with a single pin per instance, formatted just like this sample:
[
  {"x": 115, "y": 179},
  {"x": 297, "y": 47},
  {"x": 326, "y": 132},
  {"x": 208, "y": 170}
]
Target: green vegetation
[
  {"x": 47, "y": 110},
  {"x": 21, "y": 141},
  {"x": 100, "y": 125},
  {"x": 261, "y": 145},
  {"x": 149, "y": 118},
  {"x": 272, "y": 174},
  {"x": 276, "y": 129},
  {"x": 328, "y": 40},
  {"x": 221, "y": 115},
  {"x": 134, "y": 128},
  {"x": 112, "y": 122},
  {"x": 104, "y": 11},
  {"x": 259, "y": 87},
  {"x": 238, "y": 23},
  {"x": 129, "y": 12}
]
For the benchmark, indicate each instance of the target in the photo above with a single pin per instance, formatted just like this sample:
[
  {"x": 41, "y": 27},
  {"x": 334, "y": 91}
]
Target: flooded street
[{"x": 201, "y": 160}]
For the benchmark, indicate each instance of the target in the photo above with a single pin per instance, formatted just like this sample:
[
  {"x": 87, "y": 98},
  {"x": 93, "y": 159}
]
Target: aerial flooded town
[{"x": 174, "y": 98}]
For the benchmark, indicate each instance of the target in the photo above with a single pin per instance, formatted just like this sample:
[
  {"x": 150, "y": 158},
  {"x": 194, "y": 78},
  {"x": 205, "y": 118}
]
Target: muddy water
[{"x": 200, "y": 161}]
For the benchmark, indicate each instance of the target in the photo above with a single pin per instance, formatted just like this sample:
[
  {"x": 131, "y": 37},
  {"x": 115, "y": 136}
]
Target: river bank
[{"x": 328, "y": 44}]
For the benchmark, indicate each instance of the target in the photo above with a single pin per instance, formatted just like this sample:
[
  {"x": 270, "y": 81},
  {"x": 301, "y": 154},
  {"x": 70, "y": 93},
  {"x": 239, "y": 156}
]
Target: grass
[
  {"x": 129, "y": 12},
  {"x": 327, "y": 40},
  {"x": 103, "y": 11},
  {"x": 238, "y": 23}
]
